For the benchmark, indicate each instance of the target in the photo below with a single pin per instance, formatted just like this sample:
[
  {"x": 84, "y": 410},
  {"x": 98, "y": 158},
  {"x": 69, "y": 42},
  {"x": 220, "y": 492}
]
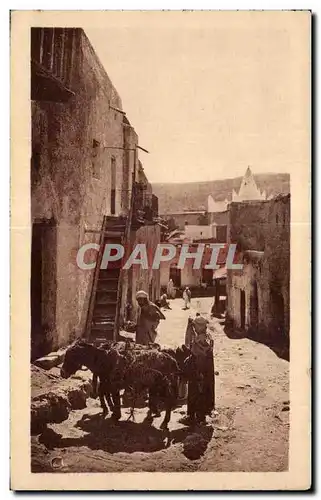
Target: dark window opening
[
  {"x": 95, "y": 159},
  {"x": 221, "y": 234}
]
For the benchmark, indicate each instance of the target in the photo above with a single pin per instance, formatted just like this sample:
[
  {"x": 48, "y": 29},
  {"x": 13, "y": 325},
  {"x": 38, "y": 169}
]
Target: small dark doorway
[
  {"x": 43, "y": 287},
  {"x": 242, "y": 309},
  {"x": 278, "y": 311},
  {"x": 207, "y": 276},
  {"x": 36, "y": 279},
  {"x": 113, "y": 187},
  {"x": 175, "y": 275},
  {"x": 254, "y": 306}
]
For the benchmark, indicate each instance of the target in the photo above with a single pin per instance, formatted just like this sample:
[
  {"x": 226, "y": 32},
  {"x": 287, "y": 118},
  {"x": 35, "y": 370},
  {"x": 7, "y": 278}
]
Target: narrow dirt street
[{"x": 249, "y": 430}]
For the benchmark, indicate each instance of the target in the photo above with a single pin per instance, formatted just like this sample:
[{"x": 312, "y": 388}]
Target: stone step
[
  {"x": 105, "y": 310},
  {"x": 101, "y": 323},
  {"x": 107, "y": 285},
  {"x": 109, "y": 273},
  {"x": 116, "y": 219},
  {"x": 106, "y": 296},
  {"x": 114, "y": 234}
]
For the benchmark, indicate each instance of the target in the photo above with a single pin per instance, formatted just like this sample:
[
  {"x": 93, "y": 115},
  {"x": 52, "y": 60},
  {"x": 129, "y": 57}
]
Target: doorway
[
  {"x": 113, "y": 187},
  {"x": 254, "y": 307},
  {"x": 175, "y": 275},
  {"x": 207, "y": 276},
  {"x": 36, "y": 280},
  {"x": 242, "y": 309},
  {"x": 43, "y": 287},
  {"x": 277, "y": 301}
]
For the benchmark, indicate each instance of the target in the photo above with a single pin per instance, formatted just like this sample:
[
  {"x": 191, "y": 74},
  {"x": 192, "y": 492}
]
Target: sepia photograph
[{"x": 164, "y": 198}]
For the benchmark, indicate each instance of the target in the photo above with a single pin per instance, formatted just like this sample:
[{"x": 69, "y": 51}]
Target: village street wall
[
  {"x": 258, "y": 296},
  {"x": 136, "y": 277},
  {"x": 71, "y": 183},
  {"x": 192, "y": 218}
]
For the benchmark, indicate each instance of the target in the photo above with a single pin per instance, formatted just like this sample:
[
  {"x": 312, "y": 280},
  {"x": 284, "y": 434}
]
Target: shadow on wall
[{"x": 278, "y": 343}]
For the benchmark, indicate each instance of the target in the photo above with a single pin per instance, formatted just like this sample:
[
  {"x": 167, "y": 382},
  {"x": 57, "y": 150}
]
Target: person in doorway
[
  {"x": 149, "y": 318},
  {"x": 171, "y": 292},
  {"x": 187, "y": 298},
  {"x": 200, "y": 371}
]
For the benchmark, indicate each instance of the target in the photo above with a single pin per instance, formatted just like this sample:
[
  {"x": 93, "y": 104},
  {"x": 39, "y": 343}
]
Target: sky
[{"x": 210, "y": 93}]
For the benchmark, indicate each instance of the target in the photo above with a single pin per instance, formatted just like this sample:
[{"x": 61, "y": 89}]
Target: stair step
[
  {"x": 103, "y": 311},
  {"x": 119, "y": 218},
  {"x": 107, "y": 286},
  {"x": 105, "y": 301},
  {"x": 112, "y": 272},
  {"x": 96, "y": 327},
  {"x": 106, "y": 297},
  {"x": 112, "y": 292},
  {"x": 108, "y": 278},
  {"x": 107, "y": 309},
  {"x": 113, "y": 233},
  {"x": 120, "y": 226}
]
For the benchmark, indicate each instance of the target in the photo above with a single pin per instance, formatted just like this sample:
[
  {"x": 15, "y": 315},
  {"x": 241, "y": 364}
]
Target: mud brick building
[
  {"x": 188, "y": 217},
  {"x": 188, "y": 276},
  {"x": 86, "y": 182},
  {"x": 258, "y": 296}
]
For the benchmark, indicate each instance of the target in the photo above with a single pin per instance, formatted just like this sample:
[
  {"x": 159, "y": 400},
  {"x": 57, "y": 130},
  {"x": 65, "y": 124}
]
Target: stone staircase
[{"x": 106, "y": 295}]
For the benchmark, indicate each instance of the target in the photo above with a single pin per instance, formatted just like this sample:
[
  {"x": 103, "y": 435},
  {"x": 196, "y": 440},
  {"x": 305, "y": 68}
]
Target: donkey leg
[
  {"x": 101, "y": 393},
  {"x": 110, "y": 401},
  {"x": 164, "y": 424},
  {"x": 116, "y": 407},
  {"x": 170, "y": 404},
  {"x": 152, "y": 407},
  {"x": 94, "y": 385}
]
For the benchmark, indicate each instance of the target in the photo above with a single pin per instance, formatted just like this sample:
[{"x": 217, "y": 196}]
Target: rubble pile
[{"x": 52, "y": 399}]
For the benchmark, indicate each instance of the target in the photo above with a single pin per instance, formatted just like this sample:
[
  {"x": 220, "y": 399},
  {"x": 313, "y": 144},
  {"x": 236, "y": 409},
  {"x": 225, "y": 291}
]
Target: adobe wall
[
  {"x": 70, "y": 182},
  {"x": 270, "y": 273},
  {"x": 139, "y": 278}
]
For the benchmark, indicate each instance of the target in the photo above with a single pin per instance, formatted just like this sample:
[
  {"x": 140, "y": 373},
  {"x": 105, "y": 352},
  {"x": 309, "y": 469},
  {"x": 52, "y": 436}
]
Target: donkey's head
[{"x": 75, "y": 357}]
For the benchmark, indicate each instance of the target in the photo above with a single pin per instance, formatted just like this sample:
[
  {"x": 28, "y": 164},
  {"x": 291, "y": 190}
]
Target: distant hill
[{"x": 176, "y": 197}]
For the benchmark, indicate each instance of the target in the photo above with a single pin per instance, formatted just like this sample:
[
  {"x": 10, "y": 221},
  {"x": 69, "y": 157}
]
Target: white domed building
[{"x": 249, "y": 190}]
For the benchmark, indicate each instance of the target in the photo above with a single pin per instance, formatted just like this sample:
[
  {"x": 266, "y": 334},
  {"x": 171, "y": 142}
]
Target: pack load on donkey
[{"x": 132, "y": 367}]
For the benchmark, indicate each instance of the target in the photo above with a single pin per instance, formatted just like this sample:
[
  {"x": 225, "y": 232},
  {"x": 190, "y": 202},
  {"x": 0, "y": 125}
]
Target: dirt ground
[{"x": 249, "y": 430}]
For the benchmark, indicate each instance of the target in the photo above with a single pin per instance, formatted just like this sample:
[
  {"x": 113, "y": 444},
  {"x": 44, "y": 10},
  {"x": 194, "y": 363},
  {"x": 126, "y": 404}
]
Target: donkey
[
  {"x": 152, "y": 370},
  {"x": 101, "y": 364}
]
